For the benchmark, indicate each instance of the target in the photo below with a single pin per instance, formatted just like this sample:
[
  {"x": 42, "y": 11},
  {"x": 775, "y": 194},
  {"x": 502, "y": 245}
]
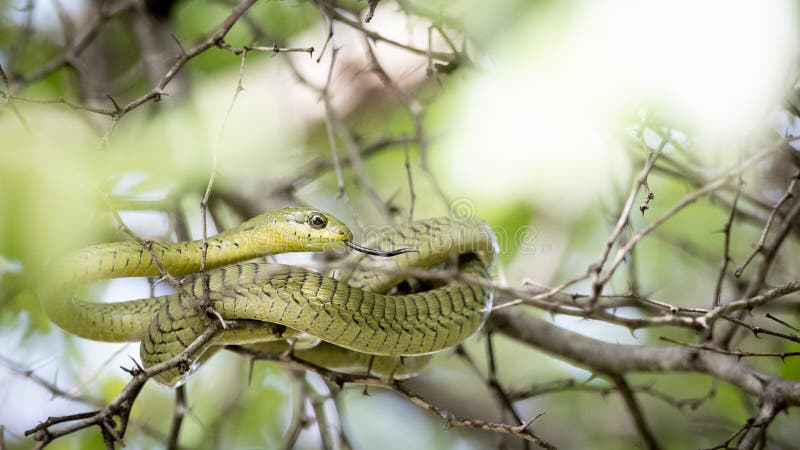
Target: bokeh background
[{"x": 531, "y": 124}]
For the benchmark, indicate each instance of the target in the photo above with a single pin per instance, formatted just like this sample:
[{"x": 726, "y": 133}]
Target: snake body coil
[{"x": 259, "y": 298}]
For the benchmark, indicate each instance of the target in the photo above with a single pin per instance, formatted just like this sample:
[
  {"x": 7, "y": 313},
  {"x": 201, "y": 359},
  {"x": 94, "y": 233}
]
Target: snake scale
[{"x": 354, "y": 315}]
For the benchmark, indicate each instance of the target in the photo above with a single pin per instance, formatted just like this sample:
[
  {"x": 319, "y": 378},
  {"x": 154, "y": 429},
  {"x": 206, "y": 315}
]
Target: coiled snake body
[{"x": 256, "y": 299}]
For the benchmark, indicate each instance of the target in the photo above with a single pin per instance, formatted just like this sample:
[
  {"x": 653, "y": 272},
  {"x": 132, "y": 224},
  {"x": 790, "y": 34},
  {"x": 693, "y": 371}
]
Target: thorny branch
[
  {"x": 491, "y": 379},
  {"x": 147, "y": 245},
  {"x": 215, "y": 39},
  {"x": 640, "y": 181},
  {"x": 619, "y": 359},
  {"x": 88, "y": 33},
  {"x": 726, "y": 247},
  {"x": 340, "y": 379},
  {"x": 120, "y": 407},
  {"x": 763, "y": 239}
]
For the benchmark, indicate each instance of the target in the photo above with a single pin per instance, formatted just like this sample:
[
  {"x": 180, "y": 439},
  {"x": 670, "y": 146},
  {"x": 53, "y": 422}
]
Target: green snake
[{"x": 354, "y": 316}]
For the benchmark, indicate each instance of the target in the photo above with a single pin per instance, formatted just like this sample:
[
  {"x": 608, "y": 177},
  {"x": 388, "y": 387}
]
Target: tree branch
[{"x": 619, "y": 359}]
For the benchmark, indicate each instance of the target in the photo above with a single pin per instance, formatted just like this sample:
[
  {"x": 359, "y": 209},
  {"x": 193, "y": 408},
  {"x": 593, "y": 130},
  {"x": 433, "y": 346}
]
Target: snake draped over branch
[{"x": 355, "y": 316}]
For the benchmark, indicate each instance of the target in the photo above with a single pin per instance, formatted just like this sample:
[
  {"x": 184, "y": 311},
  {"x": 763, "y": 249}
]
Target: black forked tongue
[{"x": 375, "y": 252}]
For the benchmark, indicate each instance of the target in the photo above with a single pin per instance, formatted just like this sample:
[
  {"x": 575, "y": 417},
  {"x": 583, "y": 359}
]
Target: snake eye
[{"x": 317, "y": 220}]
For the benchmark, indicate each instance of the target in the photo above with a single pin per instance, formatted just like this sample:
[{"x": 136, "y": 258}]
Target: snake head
[
  {"x": 304, "y": 230},
  {"x": 298, "y": 230}
]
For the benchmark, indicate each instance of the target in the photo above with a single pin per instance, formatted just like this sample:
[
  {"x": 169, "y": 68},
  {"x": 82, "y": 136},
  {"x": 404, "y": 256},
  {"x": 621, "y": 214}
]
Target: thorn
[
  {"x": 524, "y": 426},
  {"x": 159, "y": 281},
  {"x": 114, "y": 102},
  {"x": 213, "y": 312},
  {"x": 371, "y": 12},
  {"x": 183, "y": 51},
  {"x": 136, "y": 370}
]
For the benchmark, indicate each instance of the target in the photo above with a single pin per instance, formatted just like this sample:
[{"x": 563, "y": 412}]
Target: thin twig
[
  {"x": 334, "y": 14},
  {"x": 328, "y": 38},
  {"x": 329, "y": 129},
  {"x": 362, "y": 180},
  {"x": 491, "y": 379},
  {"x": 683, "y": 203},
  {"x": 771, "y": 317},
  {"x": 300, "y": 420},
  {"x": 595, "y": 269},
  {"x": 758, "y": 331},
  {"x": 571, "y": 385},
  {"x": 89, "y": 32},
  {"x": 749, "y": 303},
  {"x": 756, "y": 430},
  {"x": 274, "y": 49},
  {"x": 412, "y": 196},
  {"x": 26, "y": 31},
  {"x": 725, "y": 445},
  {"x": 416, "y": 111},
  {"x": 329, "y": 436},
  {"x": 737, "y": 353},
  {"x": 451, "y": 420},
  {"x": 635, "y": 410},
  {"x": 177, "y": 417},
  {"x": 763, "y": 239},
  {"x": 340, "y": 379},
  {"x": 212, "y": 176},
  {"x": 726, "y": 257},
  {"x": 147, "y": 245}
]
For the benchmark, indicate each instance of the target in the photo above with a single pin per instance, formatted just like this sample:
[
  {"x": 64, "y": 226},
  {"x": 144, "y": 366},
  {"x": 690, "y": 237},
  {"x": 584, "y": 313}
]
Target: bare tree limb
[{"x": 618, "y": 359}]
